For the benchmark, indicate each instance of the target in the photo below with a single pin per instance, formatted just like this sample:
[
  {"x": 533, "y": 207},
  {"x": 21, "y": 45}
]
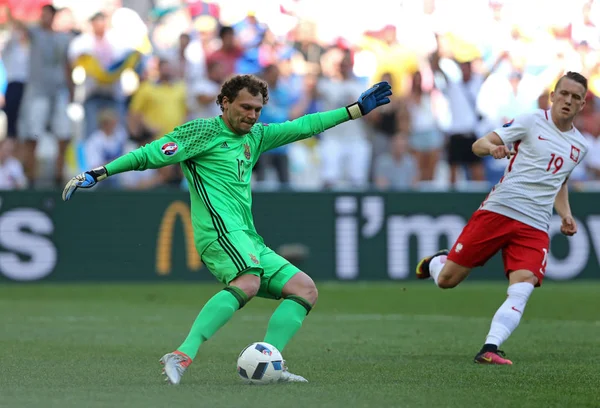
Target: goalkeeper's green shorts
[{"x": 243, "y": 252}]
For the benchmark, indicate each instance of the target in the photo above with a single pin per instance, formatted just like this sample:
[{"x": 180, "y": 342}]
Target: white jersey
[
  {"x": 544, "y": 159},
  {"x": 343, "y": 93}
]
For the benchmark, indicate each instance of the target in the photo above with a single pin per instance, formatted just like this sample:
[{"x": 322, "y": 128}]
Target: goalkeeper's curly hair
[{"x": 232, "y": 87}]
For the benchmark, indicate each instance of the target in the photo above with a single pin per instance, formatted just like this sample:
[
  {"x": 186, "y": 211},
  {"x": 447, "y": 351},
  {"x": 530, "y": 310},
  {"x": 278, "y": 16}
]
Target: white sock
[
  {"x": 436, "y": 265},
  {"x": 507, "y": 318}
]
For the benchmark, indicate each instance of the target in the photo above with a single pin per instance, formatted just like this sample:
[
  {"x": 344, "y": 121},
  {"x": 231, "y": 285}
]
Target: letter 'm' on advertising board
[{"x": 164, "y": 246}]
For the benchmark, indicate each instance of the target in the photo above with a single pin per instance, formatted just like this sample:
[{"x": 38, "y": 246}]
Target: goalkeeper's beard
[
  {"x": 240, "y": 127},
  {"x": 247, "y": 125}
]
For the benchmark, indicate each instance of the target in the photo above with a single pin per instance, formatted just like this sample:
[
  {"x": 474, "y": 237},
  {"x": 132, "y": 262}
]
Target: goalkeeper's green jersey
[{"x": 218, "y": 163}]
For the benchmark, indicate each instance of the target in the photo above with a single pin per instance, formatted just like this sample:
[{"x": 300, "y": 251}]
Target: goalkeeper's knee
[
  {"x": 303, "y": 287},
  {"x": 301, "y": 301}
]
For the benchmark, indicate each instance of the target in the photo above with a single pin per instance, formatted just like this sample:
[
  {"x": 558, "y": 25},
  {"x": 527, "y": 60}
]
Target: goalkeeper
[{"x": 217, "y": 156}]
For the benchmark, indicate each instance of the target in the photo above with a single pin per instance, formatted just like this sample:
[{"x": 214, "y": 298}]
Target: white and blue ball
[{"x": 260, "y": 363}]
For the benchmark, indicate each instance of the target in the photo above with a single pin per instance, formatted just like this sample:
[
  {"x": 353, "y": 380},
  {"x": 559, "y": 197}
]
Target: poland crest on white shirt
[{"x": 543, "y": 160}]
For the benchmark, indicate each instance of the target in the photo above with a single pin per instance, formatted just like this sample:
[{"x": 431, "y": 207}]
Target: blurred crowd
[{"x": 80, "y": 88}]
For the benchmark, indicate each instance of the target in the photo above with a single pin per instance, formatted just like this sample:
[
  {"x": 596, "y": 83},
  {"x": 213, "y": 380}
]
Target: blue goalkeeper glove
[
  {"x": 370, "y": 99},
  {"x": 86, "y": 179}
]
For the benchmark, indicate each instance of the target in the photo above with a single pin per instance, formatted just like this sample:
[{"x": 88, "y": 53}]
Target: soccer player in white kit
[{"x": 515, "y": 216}]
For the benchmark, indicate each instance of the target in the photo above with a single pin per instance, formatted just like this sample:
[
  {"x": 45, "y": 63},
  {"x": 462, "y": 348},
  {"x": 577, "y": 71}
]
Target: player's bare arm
[
  {"x": 491, "y": 145},
  {"x": 563, "y": 209}
]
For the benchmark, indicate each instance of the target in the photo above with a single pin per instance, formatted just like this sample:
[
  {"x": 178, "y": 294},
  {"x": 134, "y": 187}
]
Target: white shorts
[
  {"x": 39, "y": 111},
  {"x": 345, "y": 159}
]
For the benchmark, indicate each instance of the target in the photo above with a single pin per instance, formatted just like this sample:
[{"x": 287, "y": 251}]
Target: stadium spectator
[
  {"x": 158, "y": 106},
  {"x": 160, "y": 103},
  {"x": 461, "y": 89},
  {"x": 345, "y": 150},
  {"x": 280, "y": 106},
  {"x": 426, "y": 140},
  {"x": 391, "y": 56},
  {"x": 47, "y": 94},
  {"x": 397, "y": 169},
  {"x": 189, "y": 62},
  {"x": 228, "y": 53},
  {"x": 588, "y": 122},
  {"x": 107, "y": 142},
  {"x": 15, "y": 57},
  {"x": 390, "y": 120},
  {"x": 12, "y": 176},
  {"x": 104, "y": 49},
  {"x": 203, "y": 93},
  {"x": 301, "y": 38}
]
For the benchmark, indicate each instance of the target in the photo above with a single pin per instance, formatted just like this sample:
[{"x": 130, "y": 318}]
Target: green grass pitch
[{"x": 364, "y": 345}]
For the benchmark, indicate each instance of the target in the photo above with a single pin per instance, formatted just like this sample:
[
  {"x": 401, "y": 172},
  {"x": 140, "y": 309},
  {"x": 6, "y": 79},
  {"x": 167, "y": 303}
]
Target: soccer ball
[{"x": 260, "y": 363}]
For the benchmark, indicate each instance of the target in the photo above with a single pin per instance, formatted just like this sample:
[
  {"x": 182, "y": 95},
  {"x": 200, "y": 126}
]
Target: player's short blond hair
[{"x": 574, "y": 76}]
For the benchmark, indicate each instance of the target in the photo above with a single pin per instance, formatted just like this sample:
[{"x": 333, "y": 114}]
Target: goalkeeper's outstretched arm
[
  {"x": 162, "y": 152},
  {"x": 159, "y": 153},
  {"x": 275, "y": 135}
]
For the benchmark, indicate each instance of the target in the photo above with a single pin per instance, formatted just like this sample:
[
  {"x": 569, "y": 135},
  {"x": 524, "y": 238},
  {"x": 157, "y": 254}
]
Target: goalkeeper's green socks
[
  {"x": 286, "y": 321},
  {"x": 215, "y": 313}
]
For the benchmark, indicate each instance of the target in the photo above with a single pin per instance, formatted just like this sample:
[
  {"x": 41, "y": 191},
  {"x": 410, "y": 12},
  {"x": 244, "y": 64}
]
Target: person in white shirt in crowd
[
  {"x": 345, "y": 150},
  {"x": 461, "y": 85},
  {"x": 12, "y": 175},
  {"x": 189, "y": 65},
  {"x": 107, "y": 142},
  {"x": 110, "y": 141},
  {"x": 205, "y": 90}
]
